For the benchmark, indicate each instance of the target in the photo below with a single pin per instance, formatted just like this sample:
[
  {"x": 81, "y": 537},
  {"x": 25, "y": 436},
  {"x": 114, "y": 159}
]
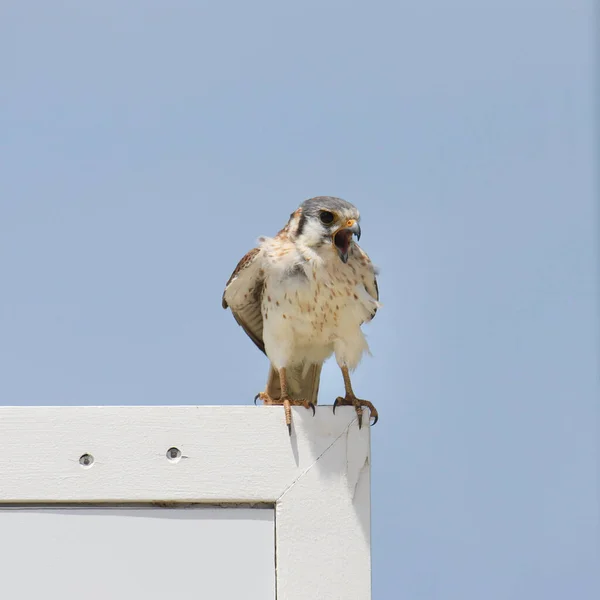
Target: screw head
[
  {"x": 86, "y": 460},
  {"x": 174, "y": 454}
]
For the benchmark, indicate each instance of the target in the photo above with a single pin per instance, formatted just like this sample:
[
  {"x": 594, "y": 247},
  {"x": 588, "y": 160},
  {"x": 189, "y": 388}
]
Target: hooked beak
[{"x": 342, "y": 238}]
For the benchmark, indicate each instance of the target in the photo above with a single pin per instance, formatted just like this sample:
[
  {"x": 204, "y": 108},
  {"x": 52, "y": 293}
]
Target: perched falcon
[{"x": 302, "y": 296}]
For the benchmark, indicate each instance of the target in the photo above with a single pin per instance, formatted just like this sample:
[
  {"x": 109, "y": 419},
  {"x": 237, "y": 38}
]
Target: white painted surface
[
  {"x": 125, "y": 554},
  {"x": 318, "y": 480},
  {"x": 328, "y": 520}
]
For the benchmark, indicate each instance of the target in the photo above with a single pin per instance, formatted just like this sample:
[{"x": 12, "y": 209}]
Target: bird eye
[{"x": 326, "y": 217}]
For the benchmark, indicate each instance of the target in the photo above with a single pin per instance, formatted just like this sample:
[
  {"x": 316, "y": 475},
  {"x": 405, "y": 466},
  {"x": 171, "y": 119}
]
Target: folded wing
[{"x": 243, "y": 295}]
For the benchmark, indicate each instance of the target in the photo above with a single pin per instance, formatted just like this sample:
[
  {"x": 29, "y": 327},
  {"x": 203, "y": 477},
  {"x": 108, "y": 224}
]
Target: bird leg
[
  {"x": 352, "y": 400},
  {"x": 284, "y": 400}
]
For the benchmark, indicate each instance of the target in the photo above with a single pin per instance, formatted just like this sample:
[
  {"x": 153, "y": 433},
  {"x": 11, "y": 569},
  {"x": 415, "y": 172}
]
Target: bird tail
[{"x": 303, "y": 382}]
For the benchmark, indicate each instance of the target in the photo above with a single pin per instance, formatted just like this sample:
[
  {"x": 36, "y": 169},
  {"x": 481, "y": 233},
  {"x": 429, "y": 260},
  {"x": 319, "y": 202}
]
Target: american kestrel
[{"x": 302, "y": 296}]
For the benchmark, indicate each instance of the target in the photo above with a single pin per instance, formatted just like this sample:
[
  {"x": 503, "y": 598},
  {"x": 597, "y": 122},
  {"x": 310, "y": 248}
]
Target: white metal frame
[{"x": 318, "y": 480}]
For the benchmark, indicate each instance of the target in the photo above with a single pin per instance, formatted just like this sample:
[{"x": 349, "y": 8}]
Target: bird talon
[
  {"x": 304, "y": 403},
  {"x": 359, "y": 406},
  {"x": 337, "y": 402},
  {"x": 287, "y": 404}
]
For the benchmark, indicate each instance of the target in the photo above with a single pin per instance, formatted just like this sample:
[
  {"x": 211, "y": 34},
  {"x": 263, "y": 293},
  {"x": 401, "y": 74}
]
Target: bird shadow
[{"x": 334, "y": 447}]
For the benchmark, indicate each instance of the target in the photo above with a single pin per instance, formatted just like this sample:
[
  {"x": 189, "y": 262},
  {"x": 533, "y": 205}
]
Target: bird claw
[
  {"x": 358, "y": 407},
  {"x": 359, "y": 415},
  {"x": 287, "y": 404},
  {"x": 306, "y": 405}
]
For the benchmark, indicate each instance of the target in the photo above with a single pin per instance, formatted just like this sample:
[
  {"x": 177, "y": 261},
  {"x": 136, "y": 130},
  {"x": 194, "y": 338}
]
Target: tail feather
[{"x": 302, "y": 382}]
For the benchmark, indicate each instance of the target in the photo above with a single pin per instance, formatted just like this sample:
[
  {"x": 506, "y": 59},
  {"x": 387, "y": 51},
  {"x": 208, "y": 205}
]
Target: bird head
[{"x": 326, "y": 222}]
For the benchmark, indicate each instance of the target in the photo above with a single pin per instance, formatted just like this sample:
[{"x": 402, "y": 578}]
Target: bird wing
[
  {"x": 243, "y": 295},
  {"x": 368, "y": 274}
]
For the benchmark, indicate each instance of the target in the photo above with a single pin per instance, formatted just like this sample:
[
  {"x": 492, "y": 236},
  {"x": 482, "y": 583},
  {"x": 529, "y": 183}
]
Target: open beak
[{"x": 342, "y": 238}]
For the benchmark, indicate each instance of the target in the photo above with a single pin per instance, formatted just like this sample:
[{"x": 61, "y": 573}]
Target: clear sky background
[{"x": 145, "y": 145}]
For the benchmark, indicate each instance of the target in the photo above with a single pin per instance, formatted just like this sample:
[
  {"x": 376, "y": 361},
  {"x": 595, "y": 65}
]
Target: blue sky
[{"x": 146, "y": 145}]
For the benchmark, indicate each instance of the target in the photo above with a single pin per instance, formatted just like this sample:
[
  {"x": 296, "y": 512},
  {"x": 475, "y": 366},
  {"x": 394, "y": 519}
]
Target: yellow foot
[
  {"x": 352, "y": 400},
  {"x": 287, "y": 404}
]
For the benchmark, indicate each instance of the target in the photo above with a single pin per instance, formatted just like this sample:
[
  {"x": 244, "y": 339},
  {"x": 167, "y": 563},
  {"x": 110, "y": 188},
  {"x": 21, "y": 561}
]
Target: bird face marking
[{"x": 326, "y": 221}]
